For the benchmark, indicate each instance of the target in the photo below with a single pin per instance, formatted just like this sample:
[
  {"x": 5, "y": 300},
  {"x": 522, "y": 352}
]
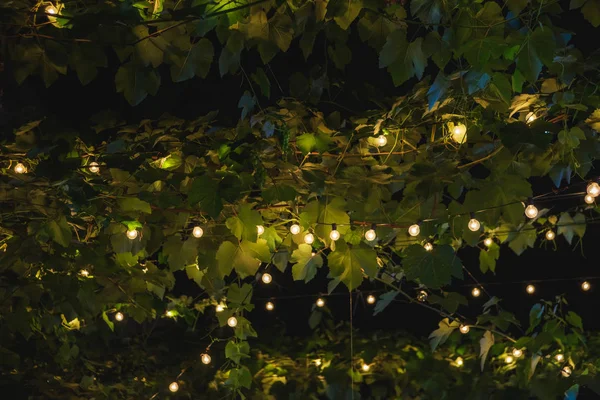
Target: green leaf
[
  {"x": 308, "y": 142},
  {"x": 237, "y": 351},
  {"x": 574, "y": 319},
  {"x": 280, "y": 259},
  {"x": 281, "y": 30},
  {"x": 433, "y": 268},
  {"x": 594, "y": 120},
  {"x": 180, "y": 254},
  {"x": 194, "y": 60},
  {"x": 485, "y": 344},
  {"x": 85, "y": 60},
  {"x": 260, "y": 78},
  {"x": 570, "y": 226},
  {"x": 572, "y": 392},
  {"x": 350, "y": 263},
  {"x": 277, "y": 193},
  {"x": 229, "y": 60},
  {"x": 149, "y": 50},
  {"x": 239, "y": 296},
  {"x": 245, "y": 258},
  {"x": 239, "y": 377},
  {"x": 450, "y": 301},
  {"x": 428, "y": 11},
  {"x": 204, "y": 191},
  {"x": 384, "y": 301},
  {"x": 136, "y": 83},
  {"x": 347, "y": 11},
  {"x": 129, "y": 204},
  {"x": 110, "y": 324},
  {"x": 193, "y": 272},
  {"x": 591, "y": 12},
  {"x": 395, "y": 46},
  {"x": 322, "y": 214},
  {"x": 305, "y": 264},
  {"x": 246, "y": 103},
  {"x": 59, "y": 231},
  {"x": 440, "y": 335},
  {"x": 244, "y": 226},
  {"x": 535, "y": 317},
  {"x": 488, "y": 258},
  {"x": 522, "y": 241},
  {"x": 516, "y": 6}
]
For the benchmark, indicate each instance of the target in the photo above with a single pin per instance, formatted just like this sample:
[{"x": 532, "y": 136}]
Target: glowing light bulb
[
  {"x": 488, "y": 242},
  {"x": 173, "y": 387},
  {"x": 20, "y": 169},
  {"x": 144, "y": 270},
  {"x": 422, "y": 296},
  {"x": 94, "y": 167},
  {"x": 550, "y": 235},
  {"x": 414, "y": 230},
  {"x": 366, "y": 367},
  {"x": 84, "y": 272},
  {"x": 459, "y": 133},
  {"x": 585, "y": 286},
  {"x": 266, "y": 278},
  {"x": 530, "y": 289},
  {"x": 559, "y": 357},
  {"x": 334, "y": 235},
  {"x": 459, "y": 362},
  {"x": 464, "y": 329},
  {"x": 509, "y": 359},
  {"x": 381, "y": 140},
  {"x": 370, "y": 235},
  {"x": 269, "y": 306},
  {"x": 476, "y": 292},
  {"x": 132, "y": 234},
  {"x": 531, "y": 211},
  {"x": 589, "y": 199},
  {"x": 260, "y": 229},
  {"x": 119, "y": 316},
  {"x": 51, "y": 10},
  {"x": 232, "y": 322},
  {"x": 206, "y": 359},
  {"x": 169, "y": 313},
  {"x": 529, "y": 118},
  {"x": 517, "y": 353},
  {"x": 566, "y": 371},
  {"x": 219, "y": 308},
  {"x": 309, "y": 238},
  {"x": 371, "y": 299},
  {"x": 428, "y": 246},
  {"x": 593, "y": 189},
  {"x": 197, "y": 232},
  {"x": 474, "y": 225},
  {"x": 320, "y": 302},
  {"x": 295, "y": 229},
  {"x": 318, "y": 362}
]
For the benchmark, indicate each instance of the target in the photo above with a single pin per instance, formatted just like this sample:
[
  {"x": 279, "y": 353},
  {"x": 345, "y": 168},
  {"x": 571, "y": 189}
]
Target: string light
[
  {"x": 132, "y": 234},
  {"x": 517, "y": 353},
  {"x": 197, "y": 232},
  {"x": 559, "y": 357},
  {"x": 593, "y": 189},
  {"x": 371, "y": 299},
  {"x": 366, "y": 367},
  {"x": 464, "y": 329},
  {"x": 589, "y": 199},
  {"x": 422, "y": 296},
  {"x": 86, "y": 273},
  {"x": 232, "y": 322},
  {"x": 585, "y": 286},
  {"x": 51, "y": 10},
  {"x": 20, "y": 169},
  {"x": 169, "y": 313},
  {"x": 318, "y": 362},
  {"x": 474, "y": 224},
  {"x": 260, "y": 229},
  {"x": 334, "y": 234},
  {"x": 206, "y": 359},
  {"x": 414, "y": 230},
  {"x": 530, "y": 289},
  {"x": 550, "y": 235},
  {"x": 320, "y": 302},
  {"x": 566, "y": 371},
  {"x": 509, "y": 359},
  {"x": 266, "y": 278},
  {"x": 309, "y": 238},
  {"x": 459, "y": 362},
  {"x": 173, "y": 387},
  {"x": 295, "y": 229},
  {"x": 371, "y": 235},
  {"x": 459, "y": 133},
  {"x": 488, "y": 242},
  {"x": 529, "y": 118},
  {"x": 119, "y": 316},
  {"x": 476, "y": 292},
  {"x": 428, "y": 246},
  {"x": 269, "y": 306},
  {"x": 94, "y": 167},
  {"x": 381, "y": 141},
  {"x": 531, "y": 211}
]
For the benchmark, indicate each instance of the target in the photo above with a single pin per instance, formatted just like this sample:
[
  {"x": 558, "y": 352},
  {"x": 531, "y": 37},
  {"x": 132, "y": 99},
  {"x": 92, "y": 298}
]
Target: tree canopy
[{"x": 104, "y": 218}]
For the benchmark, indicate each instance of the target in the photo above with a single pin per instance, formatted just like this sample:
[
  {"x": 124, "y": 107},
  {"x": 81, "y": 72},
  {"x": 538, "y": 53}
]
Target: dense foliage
[{"x": 97, "y": 219}]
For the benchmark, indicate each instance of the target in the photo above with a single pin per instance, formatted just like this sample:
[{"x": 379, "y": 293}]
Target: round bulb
[
  {"x": 550, "y": 235},
  {"x": 334, "y": 235},
  {"x": 488, "y": 242},
  {"x": 464, "y": 329},
  {"x": 371, "y": 299},
  {"x": 517, "y": 353},
  {"x": 205, "y": 358},
  {"x": 318, "y": 362},
  {"x": 173, "y": 387},
  {"x": 593, "y": 189},
  {"x": 260, "y": 229},
  {"x": 381, "y": 140},
  {"x": 559, "y": 357},
  {"x": 295, "y": 229},
  {"x": 509, "y": 359},
  {"x": 459, "y": 362},
  {"x": 414, "y": 230},
  {"x": 20, "y": 168},
  {"x": 531, "y": 211},
  {"x": 94, "y": 167},
  {"x": 51, "y": 10},
  {"x": 219, "y": 308},
  {"x": 320, "y": 302},
  {"x": 474, "y": 225},
  {"x": 266, "y": 278},
  {"x": 459, "y": 133},
  {"x": 232, "y": 322},
  {"x": 84, "y": 272},
  {"x": 132, "y": 234},
  {"x": 566, "y": 371},
  {"x": 529, "y": 118},
  {"x": 309, "y": 238},
  {"x": 169, "y": 313},
  {"x": 428, "y": 246},
  {"x": 366, "y": 367},
  {"x": 119, "y": 316},
  {"x": 585, "y": 286},
  {"x": 370, "y": 235},
  {"x": 476, "y": 292},
  {"x": 530, "y": 289},
  {"x": 197, "y": 232},
  {"x": 269, "y": 306},
  {"x": 422, "y": 296},
  {"x": 589, "y": 199}
]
